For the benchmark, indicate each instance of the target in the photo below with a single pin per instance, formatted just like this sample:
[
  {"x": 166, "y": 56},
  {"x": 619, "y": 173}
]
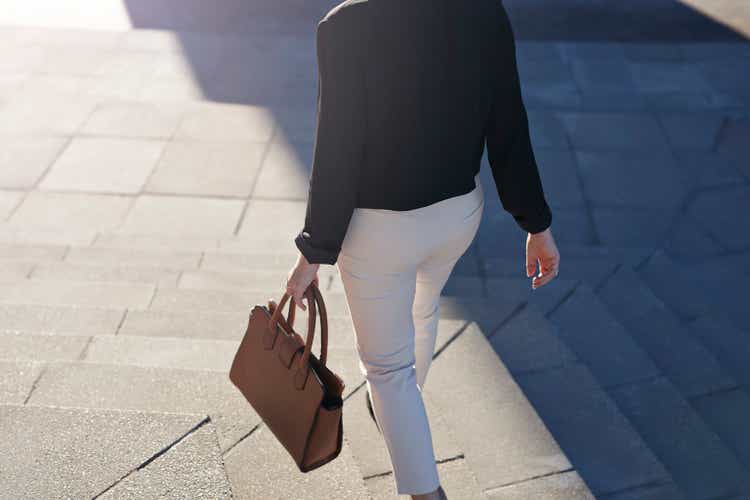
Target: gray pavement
[{"x": 154, "y": 173}]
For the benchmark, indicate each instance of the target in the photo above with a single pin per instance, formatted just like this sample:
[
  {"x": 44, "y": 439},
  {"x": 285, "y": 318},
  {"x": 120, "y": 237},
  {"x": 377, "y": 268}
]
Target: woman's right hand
[{"x": 541, "y": 249}]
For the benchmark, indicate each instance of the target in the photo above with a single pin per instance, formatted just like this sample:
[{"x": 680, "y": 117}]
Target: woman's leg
[
  {"x": 433, "y": 273},
  {"x": 380, "y": 301}
]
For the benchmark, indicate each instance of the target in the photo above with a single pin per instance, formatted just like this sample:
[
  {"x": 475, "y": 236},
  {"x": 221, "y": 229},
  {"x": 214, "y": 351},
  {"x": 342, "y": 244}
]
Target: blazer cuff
[
  {"x": 313, "y": 254},
  {"x": 538, "y": 222}
]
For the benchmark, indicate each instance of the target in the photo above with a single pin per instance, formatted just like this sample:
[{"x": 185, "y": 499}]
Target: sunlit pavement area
[{"x": 154, "y": 171}]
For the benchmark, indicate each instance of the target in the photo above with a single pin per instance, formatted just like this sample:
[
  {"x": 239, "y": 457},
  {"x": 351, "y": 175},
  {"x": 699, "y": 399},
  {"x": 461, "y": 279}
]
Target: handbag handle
[{"x": 313, "y": 297}]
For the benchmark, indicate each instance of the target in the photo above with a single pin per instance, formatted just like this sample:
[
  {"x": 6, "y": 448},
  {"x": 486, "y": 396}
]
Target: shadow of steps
[
  {"x": 700, "y": 463},
  {"x": 679, "y": 355},
  {"x": 50, "y": 449},
  {"x": 621, "y": 366},
  {"x": 502, "y": 438},
  {"x": 600, "y": 442}
]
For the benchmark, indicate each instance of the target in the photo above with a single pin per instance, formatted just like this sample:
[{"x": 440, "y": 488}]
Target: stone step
[
  {"x": 260, "y": 467},
  {"x": 546, "y": 297},
  {"x": 80, "y": 453},
  {"x": 70, "y": 320},
  {"x": 677, "y": 353},
  {"x": 502, "y": 438},
  {"x": 729, "y": 344},
  {"x": 722, "y": 279},
  {"x": 695, "y": 456},
  {"x": 674, "y": 287},
  {"x": 73, "y": 293},
  {"x": 599, "y": 340},
  {"x": 563, "y": 486},
  {"x": 727, "y": 414},
  {"x": 105, "y": 386},
  {"x": 576, "y": 411},
  {"x": 161, "y": 277}
]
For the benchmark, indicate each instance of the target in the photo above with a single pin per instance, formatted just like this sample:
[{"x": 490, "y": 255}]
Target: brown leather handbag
[{"x": 293, "y": 392}]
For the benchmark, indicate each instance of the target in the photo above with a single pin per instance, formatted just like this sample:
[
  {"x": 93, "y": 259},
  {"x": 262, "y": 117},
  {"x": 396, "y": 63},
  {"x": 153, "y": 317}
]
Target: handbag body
[{"x": 295, "y": 394}]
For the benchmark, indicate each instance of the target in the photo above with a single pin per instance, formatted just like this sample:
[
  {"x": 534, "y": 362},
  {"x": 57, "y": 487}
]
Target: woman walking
[{"x": 409, "y": 92}]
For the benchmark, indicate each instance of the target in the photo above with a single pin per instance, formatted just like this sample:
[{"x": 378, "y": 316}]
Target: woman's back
[{"x": 410, "y": 91}]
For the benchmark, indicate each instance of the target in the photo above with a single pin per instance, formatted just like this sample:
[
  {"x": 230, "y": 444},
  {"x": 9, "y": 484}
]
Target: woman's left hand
[{"x": 299, "y": 278}]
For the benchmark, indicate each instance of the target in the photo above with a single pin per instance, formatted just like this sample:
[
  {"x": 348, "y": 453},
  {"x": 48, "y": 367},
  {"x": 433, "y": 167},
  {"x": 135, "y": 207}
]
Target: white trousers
[{"x": 394, "y": 265}]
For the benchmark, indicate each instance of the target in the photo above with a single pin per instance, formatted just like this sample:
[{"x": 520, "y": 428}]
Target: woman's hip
[{"x": 402, "y": 237}]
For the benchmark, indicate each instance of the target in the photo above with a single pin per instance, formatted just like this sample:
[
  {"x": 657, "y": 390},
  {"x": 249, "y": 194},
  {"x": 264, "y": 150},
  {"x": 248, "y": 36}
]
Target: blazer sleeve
[
  {"x": 338, "y": 150},
  {"x": 509, "y": 148}
]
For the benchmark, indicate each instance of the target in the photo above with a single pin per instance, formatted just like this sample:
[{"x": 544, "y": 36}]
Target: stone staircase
[{"x": 616, "y": 385}]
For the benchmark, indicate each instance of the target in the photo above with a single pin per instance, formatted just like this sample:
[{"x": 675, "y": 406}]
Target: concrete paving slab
[
  {"x": 103, "y": 165},
  {"x": 63, "y": 113},
  {"x": 616, "y": 177},
  {"x": 718, "y": 212},
  {"x": 132, "y": 118},
  {"x": 676, "y": 289},
  {"x": 229, "y": 301},
  {"x": 167, "y": 215},
  {"x": 528, "y": 342},
  {"x": 668, "y": 491},
  {"x": 368, "y": 447},
  {"x": 9, "y": 200},
  {"x": 653, "y": 51},
  {"x": 25, "y": 159},
  {"x": 601, "y": 443},
  {"x": 124, "y": 274},
  {"x": 547, "y": 130},
  {"x": 192, "y": 468},
  {"x": 563, "y": 486},
  {"x": 288, "y": 218},
  {"x": 20, "y": 346},
  {"x": 507, "y": 441},
  {"x": 610, "y": 353},
  {"x": 252, "y": 280},
  {"x": 226, "y": 122},
  {"x": 71, "y": 293},
  {"x": 187, "y": 324},
  {"x": 15, "y": 235},
  {"x": 32, "y": 252},
  {"x": 89, "y": 385},
  {"x": 286, "y": 169},
  {"x": 603, "y": 75},
  {"x": 155, "y": 242},
  {"x": 456, "y": 479},
  {"x": 73, "y": 211},
  {"x": 627, "y": 296},
  {"x": 727, "y": 413},
  {"x": 259, "y": 466},
  {"x": 691, "y": 452},
  {"x": 546, "y": 297},
  {"x": 17, "y": 380},
  {"x": 15, "y": 270},
  {"x": 729, "y": 344},
  {"x": 694, "y": 131},
  {"x": 91, "y": 449},
  {"x": 207, "y": 169},
  {"x": 561, "y": 185},
  {"x": 679, "y": 355},
  {"x": 632, "y": 226},
  {"x": 72, "y": 320},
  {"x": 592, "y": 130},
  {"x": 667, "y": 76},
  {"x": 179, "y": 353},
  {"x": 241, "y": 255},
  {"x": 688, "y": 239},
  {"x": 163, "y": 259}
]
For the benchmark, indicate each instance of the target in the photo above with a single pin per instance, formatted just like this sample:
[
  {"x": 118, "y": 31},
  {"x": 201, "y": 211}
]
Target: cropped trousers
[{"x": 394, "y": 265}]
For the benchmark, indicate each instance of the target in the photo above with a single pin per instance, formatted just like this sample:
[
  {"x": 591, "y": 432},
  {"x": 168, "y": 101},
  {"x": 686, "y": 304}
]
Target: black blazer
[{"x": 409, "y": 91}]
